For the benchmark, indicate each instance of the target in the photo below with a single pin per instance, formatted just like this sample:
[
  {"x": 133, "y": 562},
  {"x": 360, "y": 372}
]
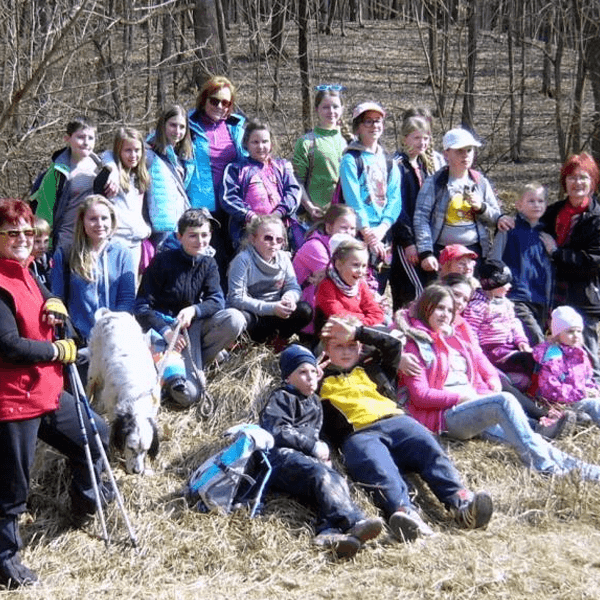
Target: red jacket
[
  {"x": 331, "y": 301},
  {"x": 28, "y": 388}
]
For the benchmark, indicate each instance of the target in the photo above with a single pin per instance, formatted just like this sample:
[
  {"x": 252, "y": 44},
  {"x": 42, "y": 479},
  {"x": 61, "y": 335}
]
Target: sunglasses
[
  {"x": 216, "y": 102},
  {"x": 15, "y": 233},
  {"x": 270, "y": 239},
  {"x": 329, "y": 87}
]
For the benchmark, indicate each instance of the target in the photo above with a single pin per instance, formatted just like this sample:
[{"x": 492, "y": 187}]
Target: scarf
[
  {"x": 564, "y": 220},
  {"x": 348, "y": 290}
]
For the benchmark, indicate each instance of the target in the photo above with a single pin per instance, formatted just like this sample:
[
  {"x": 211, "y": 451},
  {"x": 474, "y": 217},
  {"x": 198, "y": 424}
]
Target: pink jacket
[
  {"x": 427, "y": 398},
  {"x": 565, "y": 374}
]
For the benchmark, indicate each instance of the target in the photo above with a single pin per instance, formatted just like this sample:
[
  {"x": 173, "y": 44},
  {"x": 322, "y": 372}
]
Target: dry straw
[{"x": 542, "y": 542}]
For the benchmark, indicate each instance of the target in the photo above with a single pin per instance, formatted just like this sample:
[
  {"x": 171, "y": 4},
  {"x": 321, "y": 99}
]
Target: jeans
[
  {"x": 310, "y": 480},
  {"x": 589, "y": 406},
  {"x": 380, "y": 455},
  {"x": 500, "y": 417}
]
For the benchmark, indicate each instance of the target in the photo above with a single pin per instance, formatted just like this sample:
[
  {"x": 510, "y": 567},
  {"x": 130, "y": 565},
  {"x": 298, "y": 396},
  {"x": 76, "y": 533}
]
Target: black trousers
[{"x": 18, "y": 439}]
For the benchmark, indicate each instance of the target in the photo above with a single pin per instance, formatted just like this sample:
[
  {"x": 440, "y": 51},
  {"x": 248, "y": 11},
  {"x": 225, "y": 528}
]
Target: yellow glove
[
  {"x": 67, "y": 351},
  {"x": 55, "y": 308}
]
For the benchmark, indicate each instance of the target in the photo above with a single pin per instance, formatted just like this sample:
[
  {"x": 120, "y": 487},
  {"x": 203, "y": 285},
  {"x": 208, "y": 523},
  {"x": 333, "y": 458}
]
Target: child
[
  {"x": 42, "y": 263},
  {"x": 565, "y": 378},
  {"x": 456, "y": 205},
  {"x": 301, "y": 461},
  {"x": 263, "y": 285},
  {"x": 182, "y": 284},
  {"x": 457, "y": 258},
  {"x": 96, "y": 271},
  {"x": 313, "y": 257},
  {"x": 69, "y": 181},
  {"x": 379, "y": 442},
  {"x": 374, "y": 192},
  {"x": 317, "y": 154},
  {"x": 449, "y": 393},
  {"x": 344, "y": 291},
  {"x": 259, "y": 184},
  {"x": 522, "y": 250},
  {"x": 129, "y": 156},
  {"x": 416, "y": 162},
  {"x": 171, "y": 166},
  {"x": 500, "y": 333}
]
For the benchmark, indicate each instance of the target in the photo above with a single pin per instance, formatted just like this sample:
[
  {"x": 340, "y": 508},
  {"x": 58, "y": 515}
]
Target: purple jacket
[{"x": 565, "y": 374}]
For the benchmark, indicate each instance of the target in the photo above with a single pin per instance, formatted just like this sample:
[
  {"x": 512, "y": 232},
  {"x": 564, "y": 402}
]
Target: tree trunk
[
  {"x": 278, "y": 19},
  {"x": 592, "y": 55},
  {"x": 510, "y": 35},
  {"x": 206, "y": 37},
  {"x": 575, "y": 127},
  {"x": 468, "y": 108},
  {"x": 303, "y": 61}
]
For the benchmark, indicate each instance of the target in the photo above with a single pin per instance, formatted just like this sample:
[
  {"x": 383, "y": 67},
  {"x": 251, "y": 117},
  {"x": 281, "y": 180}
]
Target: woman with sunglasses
[
  {"x": 263, "y": 284},
  {"x": 217, "y": 134},
  {"x": 32, "y": 401}
]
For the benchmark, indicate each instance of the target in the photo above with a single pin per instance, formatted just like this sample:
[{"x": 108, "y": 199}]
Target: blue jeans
[
  {"x": 313, "y": 482},
  {"x": 500, "y": 417},
  {"x": 380, "y": 455},
  {"x": 589, "y": 406}
]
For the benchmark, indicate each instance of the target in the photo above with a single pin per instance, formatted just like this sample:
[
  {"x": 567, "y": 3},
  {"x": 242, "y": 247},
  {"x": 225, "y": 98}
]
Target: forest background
[{"x": 523, "y": 74}]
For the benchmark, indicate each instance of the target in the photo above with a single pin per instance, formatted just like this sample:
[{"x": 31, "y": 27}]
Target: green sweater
[{"x": 316, "y": 161}]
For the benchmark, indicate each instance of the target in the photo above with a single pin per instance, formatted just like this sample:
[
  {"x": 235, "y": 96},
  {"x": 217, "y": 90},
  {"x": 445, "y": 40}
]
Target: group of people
[{"x": 189, "y": 229}]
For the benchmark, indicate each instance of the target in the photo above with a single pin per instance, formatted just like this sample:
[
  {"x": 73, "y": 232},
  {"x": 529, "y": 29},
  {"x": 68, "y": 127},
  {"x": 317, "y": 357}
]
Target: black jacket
[{"x": 577, "y": 262}]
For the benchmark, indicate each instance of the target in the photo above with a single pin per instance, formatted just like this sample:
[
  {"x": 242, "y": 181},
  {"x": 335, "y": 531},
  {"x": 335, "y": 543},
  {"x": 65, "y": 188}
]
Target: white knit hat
[
  {"x": 459, "y": 138},
  {"x": 563, "y": 318}
]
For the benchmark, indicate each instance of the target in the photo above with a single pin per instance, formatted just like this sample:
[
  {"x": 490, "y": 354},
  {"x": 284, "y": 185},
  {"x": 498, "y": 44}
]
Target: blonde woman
[{"x": 96, "y": 271}]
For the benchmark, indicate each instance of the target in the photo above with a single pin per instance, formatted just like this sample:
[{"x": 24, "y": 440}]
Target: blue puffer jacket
[
  {"x": 200, "y": 189},
  {"x": 167, "y": 197}
]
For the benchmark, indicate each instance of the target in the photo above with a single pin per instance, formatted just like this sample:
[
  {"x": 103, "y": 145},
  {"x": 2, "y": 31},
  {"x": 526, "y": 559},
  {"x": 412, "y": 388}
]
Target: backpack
[
  {"x": 236, "y": 476},
  {"x": 338, "y": 194}
]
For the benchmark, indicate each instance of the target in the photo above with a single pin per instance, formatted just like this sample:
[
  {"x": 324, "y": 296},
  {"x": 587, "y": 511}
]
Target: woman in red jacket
[{"x": 32, "y": 401}]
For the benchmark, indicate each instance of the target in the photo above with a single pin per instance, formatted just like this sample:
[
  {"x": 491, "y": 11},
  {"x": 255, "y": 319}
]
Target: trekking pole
[
  {"x": 88, "y": 453},
  {"x": 76, "y": 383}
]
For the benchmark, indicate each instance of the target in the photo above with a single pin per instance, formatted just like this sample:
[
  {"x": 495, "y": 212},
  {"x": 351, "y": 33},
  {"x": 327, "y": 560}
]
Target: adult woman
[
  {"x": 32, "y": 403},
  {"x": 217, "y": 140},
  {"x": 572, "y": 238},
  {"x": 96, "y": 272},
  {"x": 454, "y": 393}
]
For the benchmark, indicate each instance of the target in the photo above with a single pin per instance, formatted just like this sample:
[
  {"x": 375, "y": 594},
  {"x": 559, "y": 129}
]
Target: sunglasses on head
[
  {"x": 15, "y": 233},
  {"x": 270, "y": 239},
  {"x": 216, "y": 102},
  {"x": 329, "y": 87}
]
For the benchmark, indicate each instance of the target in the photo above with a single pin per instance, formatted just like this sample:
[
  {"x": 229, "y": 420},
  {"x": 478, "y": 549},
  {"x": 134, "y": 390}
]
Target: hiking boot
[
  {"x": 406, "y": 524},
  {"x": 366, "y": 529},
  {"x": 178, "y": 392},
  {"x": 475, "y": 511},
  {"x": 556, "y": 427},
  {"x": 14, "y": 574},
  {"x": 341, "y": 544}
]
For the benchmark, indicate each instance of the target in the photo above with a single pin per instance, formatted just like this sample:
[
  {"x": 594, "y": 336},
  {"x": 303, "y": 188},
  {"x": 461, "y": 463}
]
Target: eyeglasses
[
  {"x": 15, "y": 233},
  {"x": 271, "y": 239},
  {"x": 329, "y": 87},
  {"x": 371, "y": 122},
  {"x": 216, "y": 102}
]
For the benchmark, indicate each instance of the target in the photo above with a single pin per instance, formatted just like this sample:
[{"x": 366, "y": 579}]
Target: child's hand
[
  {"x": 505, "y": 223},
  {"x": 524, "y": 347},
  {"x": 409, "y": 365},
  {"x": 289, "y": 300},
  {"x": 316, "y": 277},
  {"x": 282, "y": 310},
  {"x": 321, "y": 451},
  {"x": 430, "y": 264},
  {"x": 113, "y": 183},
  {"x": 322, "y": 363},
  {"x": 180, "y": 343},
  {"x": 475, "y": 200},
  {"x": 186, "y": 316},
  {"x": 412, "y": 256},
  {"x": 338, "y": 329}
]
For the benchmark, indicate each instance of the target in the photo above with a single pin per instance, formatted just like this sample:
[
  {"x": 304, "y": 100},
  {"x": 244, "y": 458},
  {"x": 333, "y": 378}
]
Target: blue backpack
[{"x": 235, "y": 477}]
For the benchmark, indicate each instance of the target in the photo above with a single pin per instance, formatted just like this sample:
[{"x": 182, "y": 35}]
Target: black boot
[{"x": 14, "y": 574}]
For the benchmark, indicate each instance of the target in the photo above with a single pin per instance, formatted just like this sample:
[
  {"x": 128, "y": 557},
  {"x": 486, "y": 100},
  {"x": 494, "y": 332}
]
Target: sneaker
[
  {"x": 178, "y": 392},
  {"x": 14, "y": 574},
  {"x": 475, "y": 512},
  {"x": 341, "y": 544},
  {"x": 366, "y": 529},
  {"x": 556, "y": 427},
  {"x": 407, "y": 525}
]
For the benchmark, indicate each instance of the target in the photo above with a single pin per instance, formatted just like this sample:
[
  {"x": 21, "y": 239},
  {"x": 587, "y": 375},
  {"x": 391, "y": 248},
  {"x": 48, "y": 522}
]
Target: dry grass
[{"x": 540, "y": 544}]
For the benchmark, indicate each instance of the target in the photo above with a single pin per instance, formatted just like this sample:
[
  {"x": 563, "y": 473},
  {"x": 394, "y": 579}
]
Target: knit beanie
[
  {"x": 563, "y": 318},
  {"x": 494, "y": 274},
  {"x": 294, "y": 356}
]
